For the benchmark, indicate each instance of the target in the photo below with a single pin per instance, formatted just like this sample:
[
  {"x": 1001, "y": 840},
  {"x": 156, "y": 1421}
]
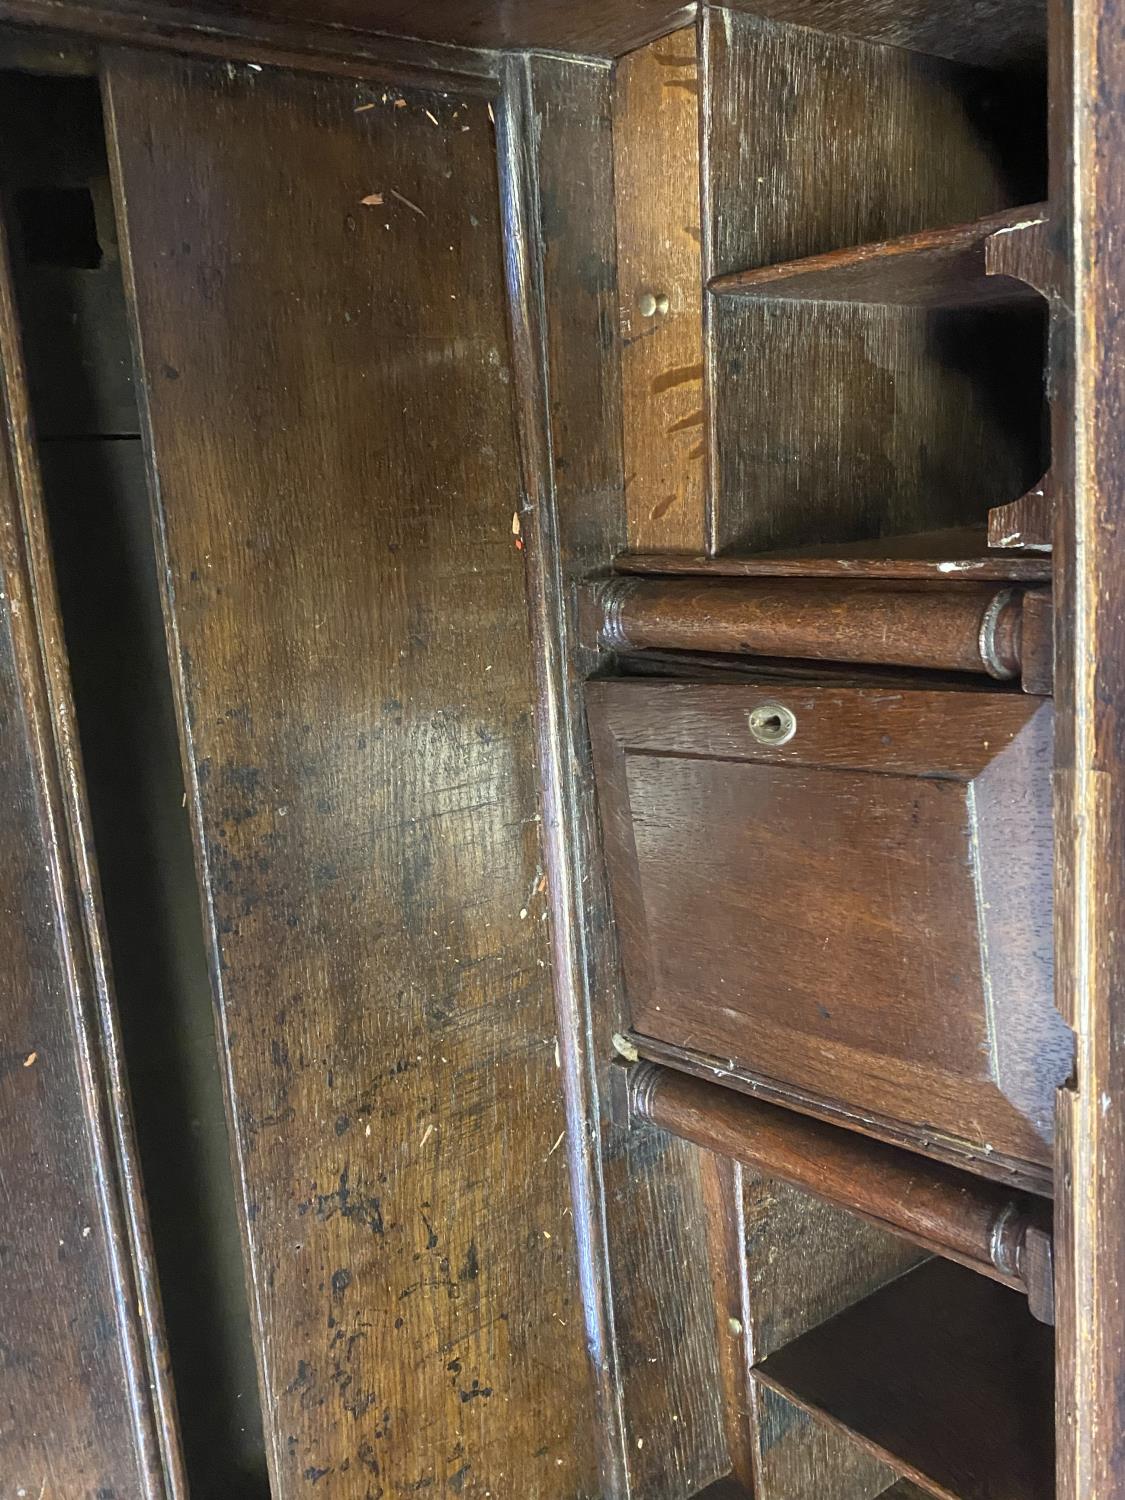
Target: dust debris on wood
[
  {"x": 30, "y": 1060},
  {"x": 372, "y": 200}
]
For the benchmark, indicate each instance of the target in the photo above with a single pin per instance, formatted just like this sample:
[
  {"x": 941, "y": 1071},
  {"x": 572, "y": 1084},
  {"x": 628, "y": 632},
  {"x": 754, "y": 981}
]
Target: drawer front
[{"x": 857, "y": 910}]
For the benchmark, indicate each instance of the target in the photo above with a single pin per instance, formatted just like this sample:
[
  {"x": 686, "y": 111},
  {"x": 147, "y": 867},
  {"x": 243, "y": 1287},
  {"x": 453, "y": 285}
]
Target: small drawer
[{"x": 843, "y": 894}]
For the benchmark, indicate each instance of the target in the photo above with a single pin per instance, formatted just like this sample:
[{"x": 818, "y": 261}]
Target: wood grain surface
[
  {"x": 87, "y": 1404},
  {"x": 990, "y": 33},
  {"x": 319, "y": 299},
  {"x": 831, "y": 422},
  {"x": 660, "y": 293},
  {"x": 1088, "y": 359},
  {"x": 887, "y": 865}
]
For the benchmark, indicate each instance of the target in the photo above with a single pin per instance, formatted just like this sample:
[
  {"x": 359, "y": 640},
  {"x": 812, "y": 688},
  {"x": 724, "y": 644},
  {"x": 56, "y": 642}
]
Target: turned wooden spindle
[
  {"x": 964, "y": 627},
  {"x": 1000, "y": 1233}
]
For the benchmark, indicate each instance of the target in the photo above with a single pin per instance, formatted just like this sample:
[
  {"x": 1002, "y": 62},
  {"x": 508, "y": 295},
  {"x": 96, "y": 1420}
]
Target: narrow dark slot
[{"x": 68, "y": 279}]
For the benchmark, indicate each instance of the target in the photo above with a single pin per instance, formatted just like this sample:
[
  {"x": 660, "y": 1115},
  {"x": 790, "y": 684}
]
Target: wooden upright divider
[{"x": 334, "y": 469}]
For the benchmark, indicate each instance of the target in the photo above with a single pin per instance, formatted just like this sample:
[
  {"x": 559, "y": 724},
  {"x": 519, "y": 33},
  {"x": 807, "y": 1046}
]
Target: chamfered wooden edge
[
  {"x": 934, "y": 268},
  {"x": 1029, "y": 1176}
]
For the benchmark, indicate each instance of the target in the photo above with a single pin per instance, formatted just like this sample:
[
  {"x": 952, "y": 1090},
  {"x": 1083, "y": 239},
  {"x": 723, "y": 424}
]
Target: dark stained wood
[
  {"x": 1026, "y": 522},
  {"x": 722, "y": 1180},
  {"x": 650, "y": 1311},
  {"x": 1038, "y": 642},
  {"x": 934, "y": 268},
  {"x": 1088, "y": 361},
  {"x": 885, "y": 870},
  {"x": 929, "y": 554},
  {"x": 943, "y": 1211},
  {"x": 88, "y": 1405},
  {"x": 1025, "y": 250},
  {"x": 944, "y": 1374},
  {"x": 359, "y": 760},
  {"x": 991, "y": 33},
  {"x": 806, "y": 1458},
  {"x": 904, "y": 1490},
  {"x": 838, "y": 421},
  {"x": 358, "y": 31},
  {"x": 956, "y": 627},
  {"x": 660, "y": 297},
  {"x": 262, "y": 39},
  {"x": 800, "y": 1457}
]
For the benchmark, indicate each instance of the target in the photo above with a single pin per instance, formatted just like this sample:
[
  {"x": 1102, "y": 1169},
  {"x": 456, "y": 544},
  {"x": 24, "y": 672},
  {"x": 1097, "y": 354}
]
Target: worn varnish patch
[{"x": 327, "y": 383}]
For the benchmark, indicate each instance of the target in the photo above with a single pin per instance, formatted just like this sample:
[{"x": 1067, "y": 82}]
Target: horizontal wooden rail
[
  {"x": 963, "y": 627},
  {"x": 1001, "y": 1234}
]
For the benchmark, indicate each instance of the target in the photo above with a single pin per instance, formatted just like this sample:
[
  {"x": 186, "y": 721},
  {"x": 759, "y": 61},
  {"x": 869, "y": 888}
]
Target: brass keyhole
[{"x": 772, "y": 724}]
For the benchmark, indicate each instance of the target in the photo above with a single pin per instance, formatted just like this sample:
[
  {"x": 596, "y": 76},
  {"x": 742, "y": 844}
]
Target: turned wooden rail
[
  {"x": 959, "y": 627},
  {"x": 992, "y": 1230}
]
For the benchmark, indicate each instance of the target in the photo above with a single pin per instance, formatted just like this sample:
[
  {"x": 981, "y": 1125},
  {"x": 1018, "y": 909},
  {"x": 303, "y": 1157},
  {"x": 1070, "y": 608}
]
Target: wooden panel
[
  {"x": 834, "y": 422},
  {"x": 887, "y": 864},
  {"x": 945, "y": 1374},
  {"x": 360, "y": 764},
  {"x": 649, "y": 1304},
  {"x": 659, "y": 280},
  {"x": 88, "y": 1409},
  {"x": 991, "y": 33}
]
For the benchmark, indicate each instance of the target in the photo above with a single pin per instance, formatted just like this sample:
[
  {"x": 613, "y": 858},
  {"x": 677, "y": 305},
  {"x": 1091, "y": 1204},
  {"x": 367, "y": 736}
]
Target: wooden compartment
[
  {"x": 869, "y": 374},
  {"x": 840, "y": 897},
  {"x": 943, "y": 1374}
]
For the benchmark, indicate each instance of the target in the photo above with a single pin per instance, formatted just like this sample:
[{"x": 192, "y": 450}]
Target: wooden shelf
[
  {"x": 957, "y": 267},
  {"x": 962, "y": 553},
  {"x": 944, "y": 1375}
]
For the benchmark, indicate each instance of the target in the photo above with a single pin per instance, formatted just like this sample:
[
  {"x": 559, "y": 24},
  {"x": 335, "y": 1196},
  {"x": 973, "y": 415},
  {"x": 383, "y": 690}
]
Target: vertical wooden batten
[
  {"x": 648, "y": 1293},
  {"x": 334, "y": 467},
  {"x": 1088, "y": 359},
  {"x": 92, "y": 1407}
]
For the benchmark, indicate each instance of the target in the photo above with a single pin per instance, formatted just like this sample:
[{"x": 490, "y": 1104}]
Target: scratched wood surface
[
  {"x": 328, "y": 392},
  {"x": 658, "y": 1363},
  {"x": 833, "y": 422},
  {"x": 87, "y": 1410},
  {"x": 660, "y": 294}
]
